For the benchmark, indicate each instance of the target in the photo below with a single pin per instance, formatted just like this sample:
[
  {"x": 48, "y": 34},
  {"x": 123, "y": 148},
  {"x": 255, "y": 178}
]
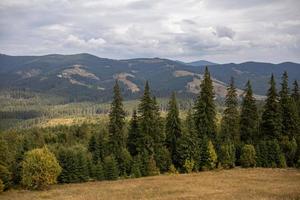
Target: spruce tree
[
  {"x": 289, "y": 115},
  {"x": 205, "y": 113},
  {"x": 111, "y": 168},
  {"x": 249, "y": 117},
  {"x": 133, "y": 135},
  {"x": 117, "y": 122},
  {"x": 93, "y": 148},
  {"x": 146, "y": 122},
  {"x": 173, "y": 129},
  {"x": 271, "y": 118},
  {"x": 296, "y": 96},
  {"x": 230, "y": 121},
  {"x": 188, "y": 147}
]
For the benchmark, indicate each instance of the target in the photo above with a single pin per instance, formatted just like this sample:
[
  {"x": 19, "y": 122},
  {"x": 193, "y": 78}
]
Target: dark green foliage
[
  {"x": 135, "y": 167},
  {"x": 289, "y": 148},
  {"x": 117, "y": 123},
  {"x": 296, "y": 96},
  {"x": 124, "y": 160},
  {"x": 188, "y": 144},
  {"x": 133, "y": 135},
  {"x": 269, "y": 154},
  {"x": 93, "y": 148},
  {"x": 111, "y": 168},
  {"x": 208, "y": 156},
  {"x": 146, "y": 122},
  {"x": 271, "y": 117},
  {"x": 98, "y": 172},
  {"x": 5, "y": 176},
  {"x": 173, "y": 129},
  {"x": 74, "y": 163},
  {"x": 248, "y": 156},
  {"x": 249, "y": 117},
  {"x": 205, "y": 114},
  {"x": 289, "y": 115},
  {"x": 230, "y": 120},
  {"x": 227, "y": 155},
  {"x": 162, "y": 158},
  {"x": 152, "y": 169}
]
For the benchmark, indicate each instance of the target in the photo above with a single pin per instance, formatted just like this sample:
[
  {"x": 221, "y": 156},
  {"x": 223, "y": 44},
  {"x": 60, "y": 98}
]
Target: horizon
[
  {"x": 221, "y": 32},
  {"x": 212, "y": 61}
]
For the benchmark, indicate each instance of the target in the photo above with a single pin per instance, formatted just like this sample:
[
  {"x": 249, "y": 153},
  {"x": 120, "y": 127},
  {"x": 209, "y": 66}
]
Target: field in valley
[{"x": 237, "y": 183}]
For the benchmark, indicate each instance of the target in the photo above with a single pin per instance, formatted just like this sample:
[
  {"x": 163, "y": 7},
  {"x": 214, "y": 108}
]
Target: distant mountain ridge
[
  {"x": 85, "y": 77},
  {"x": 201, "y": 63}
]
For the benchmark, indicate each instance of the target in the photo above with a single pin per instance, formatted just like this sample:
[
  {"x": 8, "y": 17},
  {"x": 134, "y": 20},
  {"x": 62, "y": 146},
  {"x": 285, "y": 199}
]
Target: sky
[{"x": 216, "y": 30}]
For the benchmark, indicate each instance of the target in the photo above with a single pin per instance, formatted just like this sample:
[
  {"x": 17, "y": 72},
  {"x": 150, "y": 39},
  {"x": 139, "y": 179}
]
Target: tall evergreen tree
[
  {"x": 296, "y": 96},
  {"x": 173, "y": 129},
  {"x": 289, "y": 115},
  {"x": 133, "y": 135},
  {"x": 146, "y": 122},
  {"x": 271, "y": 118},
  {"x": 205, "y": 113},
  {"x": 230, "y": 121},
  {"x": 249, "y": 120},
  {"x": 117, "y": 122}
]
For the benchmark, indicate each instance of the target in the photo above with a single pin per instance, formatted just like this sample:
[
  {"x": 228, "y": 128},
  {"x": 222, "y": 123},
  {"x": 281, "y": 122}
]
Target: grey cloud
[{"x": 220, "y": 31}]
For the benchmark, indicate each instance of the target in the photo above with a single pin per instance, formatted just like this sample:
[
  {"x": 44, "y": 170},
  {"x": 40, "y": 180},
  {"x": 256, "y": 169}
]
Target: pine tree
[
  {"x": 146, "y": 122},
  {"x": 173, "y": 129},
  {"x": 188, "y": 147},
  {"x": 133, "y": 135},
  {"x": 289, "y": 115},
  {"x": 99, "y": 172},
  {"x": 205, "y": 113},
  {"x": 208, "y": 156},
  {"x": 230, "y": 121},
  {"x": 93, "y": 148},
  {"x": 271, "y": 118},
  {"x": 111, "y": 168},
  {"x": 117, "y": 122},
  {"x": 227, "y": 155},
  {"x": 296, "y": 96},
  {"x": 249, "y": 117}
]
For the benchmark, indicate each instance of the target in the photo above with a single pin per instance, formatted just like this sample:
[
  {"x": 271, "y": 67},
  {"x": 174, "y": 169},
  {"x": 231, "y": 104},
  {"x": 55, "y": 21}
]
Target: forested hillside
[{"x": 148, "y": 143}]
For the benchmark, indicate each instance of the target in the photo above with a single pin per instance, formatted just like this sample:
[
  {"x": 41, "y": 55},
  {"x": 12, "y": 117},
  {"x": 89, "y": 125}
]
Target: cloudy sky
[{"x": 216, "y": 30}]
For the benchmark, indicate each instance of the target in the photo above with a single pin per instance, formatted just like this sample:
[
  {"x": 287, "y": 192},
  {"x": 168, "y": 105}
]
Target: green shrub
[
  {"x": 1, "y": 186},
  {"x": 227, "y": 155},
  {"x": 248, "y": 156},
  {"x": 39, "y": 169},
  {"x": 135, "y": 168},
  {"x": 189, "y": 166},
  {"x": 172, "y": 169},
  {"x": 151, "y": 167},
  {"x": 5, "y": 176}
]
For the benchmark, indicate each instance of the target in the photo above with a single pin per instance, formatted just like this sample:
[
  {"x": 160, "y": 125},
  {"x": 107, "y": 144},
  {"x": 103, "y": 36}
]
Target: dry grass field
[{"x": 224, "y": 184}]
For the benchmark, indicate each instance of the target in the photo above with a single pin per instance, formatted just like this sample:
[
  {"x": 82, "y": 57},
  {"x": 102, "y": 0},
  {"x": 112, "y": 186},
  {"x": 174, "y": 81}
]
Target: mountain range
[{"x": 85, "y": 77}]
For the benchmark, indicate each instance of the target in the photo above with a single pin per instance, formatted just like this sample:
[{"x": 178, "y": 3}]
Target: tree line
[{"x": 149, "y": 144}]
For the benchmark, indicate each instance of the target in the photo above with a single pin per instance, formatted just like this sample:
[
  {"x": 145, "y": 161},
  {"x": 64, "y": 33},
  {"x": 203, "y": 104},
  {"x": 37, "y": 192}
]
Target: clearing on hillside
[{"x": 237, "y": 183}]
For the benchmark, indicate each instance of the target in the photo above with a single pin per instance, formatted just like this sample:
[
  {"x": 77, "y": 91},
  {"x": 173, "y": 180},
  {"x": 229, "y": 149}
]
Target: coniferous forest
[{"x": 148, "y": 143}]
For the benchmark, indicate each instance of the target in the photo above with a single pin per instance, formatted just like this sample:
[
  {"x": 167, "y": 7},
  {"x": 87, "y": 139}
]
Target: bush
[
  {"x": 227, "y": 155},
  {"x": 5, "y": 177},
  {"x": 208, "y": 157},
  {"x": 110, "y": 168},
  {"x": 39, "y": 169},
  {"x": 248, "y": 156},
  {"x": 1, "y": 186},
  {"x": 74, "y": 162},
  {"x": 151, "y": 167},
  {"x": 172, "y": 170},
  {"x": 135, "y": 168},
  {"x": 189, "y": 166}
]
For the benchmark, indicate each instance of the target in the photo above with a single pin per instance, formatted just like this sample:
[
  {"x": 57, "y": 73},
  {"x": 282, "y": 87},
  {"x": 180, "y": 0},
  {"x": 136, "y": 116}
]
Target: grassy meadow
[{"x": 238, "y": 183}]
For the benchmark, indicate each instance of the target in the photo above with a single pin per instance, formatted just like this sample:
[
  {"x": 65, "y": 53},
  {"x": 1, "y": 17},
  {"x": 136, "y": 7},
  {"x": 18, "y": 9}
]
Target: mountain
[
  {"x": 85, "y": 77},
  {"x": 201, "y": 63}
]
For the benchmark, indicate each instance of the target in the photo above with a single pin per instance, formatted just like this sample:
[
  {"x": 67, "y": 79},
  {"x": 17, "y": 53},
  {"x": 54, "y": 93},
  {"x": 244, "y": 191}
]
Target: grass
[{"x": 225, "y": 184}]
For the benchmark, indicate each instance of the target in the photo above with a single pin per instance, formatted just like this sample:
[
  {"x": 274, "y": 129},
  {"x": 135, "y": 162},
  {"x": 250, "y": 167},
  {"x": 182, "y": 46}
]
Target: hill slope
[
  {"x": 83, "y": 77},
  {"x": 257, "y": 183}
]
